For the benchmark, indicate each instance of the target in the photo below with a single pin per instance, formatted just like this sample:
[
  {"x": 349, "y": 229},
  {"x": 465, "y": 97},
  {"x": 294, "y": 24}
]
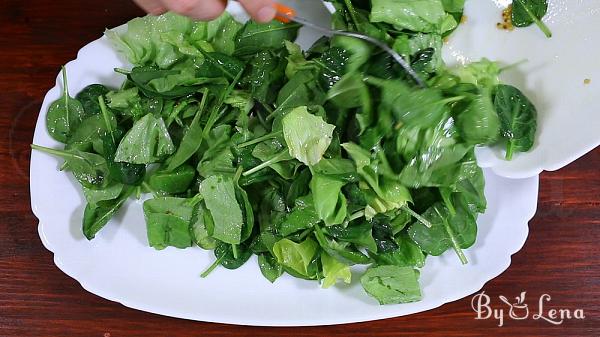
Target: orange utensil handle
[{"x": 284, "y": 13}]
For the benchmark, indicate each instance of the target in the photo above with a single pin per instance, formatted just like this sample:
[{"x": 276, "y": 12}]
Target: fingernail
[{"x": 265, "y": 14}]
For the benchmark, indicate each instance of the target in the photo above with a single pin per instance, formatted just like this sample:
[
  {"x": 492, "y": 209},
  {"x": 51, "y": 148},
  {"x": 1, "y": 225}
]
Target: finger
[
  {"x": 197, "y": 9},
  {"x": 260, "y": 10},
  {"x": 154, "y": 7}
]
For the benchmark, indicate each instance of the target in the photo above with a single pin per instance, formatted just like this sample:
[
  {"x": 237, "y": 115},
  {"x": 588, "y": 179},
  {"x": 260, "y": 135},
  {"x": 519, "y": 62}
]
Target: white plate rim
[{"x": 472, "y": 288}]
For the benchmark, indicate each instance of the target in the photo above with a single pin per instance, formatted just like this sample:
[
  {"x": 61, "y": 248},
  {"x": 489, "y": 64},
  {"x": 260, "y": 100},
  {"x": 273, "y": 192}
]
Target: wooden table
[{"x": 561, "y": 256}]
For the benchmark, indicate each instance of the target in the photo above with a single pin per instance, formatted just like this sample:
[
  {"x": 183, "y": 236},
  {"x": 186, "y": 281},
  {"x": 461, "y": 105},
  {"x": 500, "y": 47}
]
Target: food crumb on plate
[
  {"x": 587, "y": 81},
  {"x": 506, "y": 23}
]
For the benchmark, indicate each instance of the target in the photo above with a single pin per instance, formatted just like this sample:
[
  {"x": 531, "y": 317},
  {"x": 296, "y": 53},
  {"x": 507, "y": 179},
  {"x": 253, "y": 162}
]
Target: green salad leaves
[
  {"x": 527, "y": 12},
  {"x": 315, "y": 161}
]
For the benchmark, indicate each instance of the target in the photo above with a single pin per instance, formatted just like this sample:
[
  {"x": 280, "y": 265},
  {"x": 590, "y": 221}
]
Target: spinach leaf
[
  {"x": 359, "y": 51},
  {"x": 97, "y": 215},
  {"x": 111, "y": 192},
  {"x": 172, "y": 182},
  {"x": 247, "y": 212},
  {"x": 457, "y": 232},
  {"x": 333, "y": 66},
  {"x": 518, "y": 119},
  {"x": 301, "y": 90},
  {"x": 338, "y": 168},
  {"x": 342, "y": 251},
  {"x": 392, "y": 284},
  {"x": 359, "y": 234},
  {"x": 89, "y": 131},
  {"x": 171, "y": 83},
  {"x": 88, "y": 97},
  {"x": 229, "y": 258},
  {"x": 302, "y": 216},
  {"x": 527, "y": 12},
  {"x": 265, "y": 76},
  {"x": 351, "y": 92},
  {"x": 64, "y": 114},
  {"x": 420, "y": 108},
  {"x": 217, "y": 65},
  {"x": 125, "y": 173},
  {"x": 255, "y": 37},
  {"x": 90, "y": 169},
  {"x": 269, "y": 267},
  {"x": 269, "y": 149},
  {"x": 195, "y": 135},
  {"x": 408, "y": 254}
]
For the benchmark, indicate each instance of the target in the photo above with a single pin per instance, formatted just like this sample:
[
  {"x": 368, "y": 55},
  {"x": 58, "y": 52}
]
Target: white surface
[
  {"x": 119, "y": 265},
  {"x": 553, "y": 78}
]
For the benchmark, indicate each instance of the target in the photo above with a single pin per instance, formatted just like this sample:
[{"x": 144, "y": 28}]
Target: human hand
[{"x": 259, "y": 10}]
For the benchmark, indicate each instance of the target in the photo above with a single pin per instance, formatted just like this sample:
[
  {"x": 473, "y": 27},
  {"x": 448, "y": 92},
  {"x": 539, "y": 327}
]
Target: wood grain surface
[{"x": 561, "y": 256}]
